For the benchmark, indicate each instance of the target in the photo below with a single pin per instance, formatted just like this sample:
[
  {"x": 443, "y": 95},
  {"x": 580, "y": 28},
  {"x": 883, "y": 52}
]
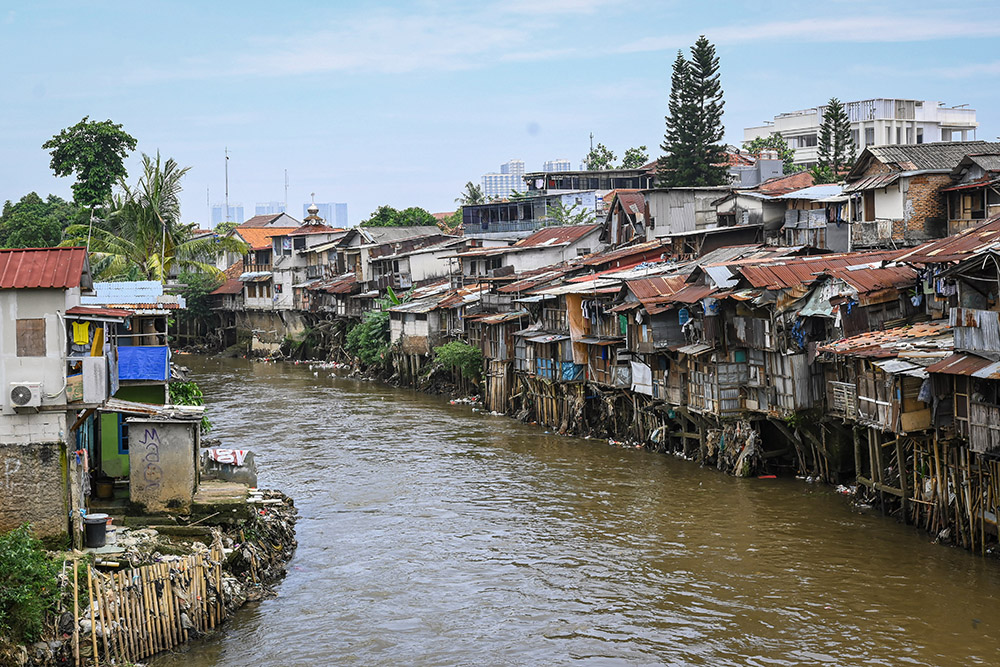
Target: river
[{"x": 433, "y": 535}]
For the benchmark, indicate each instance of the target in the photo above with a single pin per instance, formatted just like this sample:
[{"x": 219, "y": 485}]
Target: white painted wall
[{"x": 889, "y": 202}]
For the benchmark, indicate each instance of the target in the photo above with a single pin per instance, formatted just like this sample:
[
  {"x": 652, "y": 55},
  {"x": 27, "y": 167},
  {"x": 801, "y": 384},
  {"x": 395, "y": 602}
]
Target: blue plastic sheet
[{"x": 144, "y": 363}]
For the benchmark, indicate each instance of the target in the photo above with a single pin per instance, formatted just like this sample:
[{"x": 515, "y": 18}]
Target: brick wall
[{"x": 924, "y": 207}]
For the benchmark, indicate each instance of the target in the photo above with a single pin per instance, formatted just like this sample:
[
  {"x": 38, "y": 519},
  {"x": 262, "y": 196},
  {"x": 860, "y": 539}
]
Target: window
[
  {"x": 808, "y": 140},
  {"x": 920, "y": 135},
  {"x": 299, "y": 243},
  {"x": 869, "y": 136},
  {"x": 580, "y": 252},
  {"x": 888, "y": 135},
  {"x": 122, "y": 434},
  {"x": 856, "y": 137},
  {"x": 899, "y": 135},
  {"x": 31, "y": 338}
]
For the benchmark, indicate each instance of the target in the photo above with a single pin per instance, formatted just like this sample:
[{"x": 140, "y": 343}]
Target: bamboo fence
[{"x": 141, "y": 611}]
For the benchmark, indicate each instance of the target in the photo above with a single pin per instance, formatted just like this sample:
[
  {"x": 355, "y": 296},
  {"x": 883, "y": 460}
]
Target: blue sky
[{"x": 403, "y": 102}]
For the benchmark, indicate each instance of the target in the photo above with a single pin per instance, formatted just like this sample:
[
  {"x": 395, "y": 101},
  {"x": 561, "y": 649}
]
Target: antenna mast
[
  {"x": 286, "y": 191},
  {"x": 227, "y": 184}
]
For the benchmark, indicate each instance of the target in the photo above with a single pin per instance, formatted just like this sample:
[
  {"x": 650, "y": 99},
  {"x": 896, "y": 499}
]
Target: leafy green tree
[
  {"x": 195, "y": 288},
  {"x": 224, "y": 228},
  {"x": 387, "y": 216},
  {"x": 599, "y": 157},
  {"x": 822, "y": 174},
  {"x": 415, "y": 216},
  {"x": 34, "y": 223},
  {"x": 774, "y": 142},
  {"x": 836, "y": 143},
  {"x": 143, "y": 237},
  {"x": 694, "y": 122},
  {"x": 471, "y": 195},
  {"x": 560, "y": 214},
  {"x": 635, "y": 158},
  {"x": 95, "y": 152},
  {"x": 452, "y": 223}
]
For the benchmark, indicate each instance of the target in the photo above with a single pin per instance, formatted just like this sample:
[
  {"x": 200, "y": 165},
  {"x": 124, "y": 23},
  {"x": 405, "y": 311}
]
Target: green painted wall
[{"x": 114, "y": 464}]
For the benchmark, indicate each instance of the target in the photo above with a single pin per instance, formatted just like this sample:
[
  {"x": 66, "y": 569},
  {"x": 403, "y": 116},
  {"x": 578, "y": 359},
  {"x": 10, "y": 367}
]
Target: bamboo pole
[
  {"x": 113, "y": 619},
  {"x": 149, "y": 594},
  {"x": 93, "y": 618},
  {"x": 218, "y": 582},
  {"x": 120, "y": 636},
  {"x": 139, "y": 611},
  {"x": 102, "y": 612},
  {"x": 76, "y": 614}
]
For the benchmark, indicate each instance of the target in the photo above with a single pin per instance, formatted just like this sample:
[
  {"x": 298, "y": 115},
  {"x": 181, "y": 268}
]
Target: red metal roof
[
  {"x": 792, "y": 271},
  {"x": 231, "y": 286},
  {"x": 872, "y": 279},
  {"x": 44, "y": 268},
  {"x": 96, "y": 311},
  {"x": 957, "y": 247},
  {"x": 881, "y": 344},
  {"x": 781, "y": 185},
  {"x": 966, "y": 364},
  {"x": 548, "y": 236},
  {"x": 314, "y": 229},
  {"x": 633, "y": 253}
]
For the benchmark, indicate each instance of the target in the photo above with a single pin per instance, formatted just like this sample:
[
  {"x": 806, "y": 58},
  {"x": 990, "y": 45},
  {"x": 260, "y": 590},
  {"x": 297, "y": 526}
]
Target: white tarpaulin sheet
[{"x": 642, "y": 378}]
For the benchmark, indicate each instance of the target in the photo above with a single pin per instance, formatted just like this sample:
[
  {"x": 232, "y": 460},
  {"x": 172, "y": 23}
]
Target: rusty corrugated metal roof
[
  {"x": 44, "y": 268},
  {"x": 967, "y": 364},
  {"x": 871, "y": 279},
  {"x": 96, "y": 311},
  {"x": 636, "y": 252},
  {"x": 792, "y": 271},
  {"x": 957, "y": 247},
  {"x": 549, "y": 236},
  {"x": 231, "y": 286}
]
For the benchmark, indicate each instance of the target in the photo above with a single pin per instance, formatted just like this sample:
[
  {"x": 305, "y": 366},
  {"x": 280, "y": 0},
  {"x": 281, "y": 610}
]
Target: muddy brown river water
[{"x": 433, "y": 535}]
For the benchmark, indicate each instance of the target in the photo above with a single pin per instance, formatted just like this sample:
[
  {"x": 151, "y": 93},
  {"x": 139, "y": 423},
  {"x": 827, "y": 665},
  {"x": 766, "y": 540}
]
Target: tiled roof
[
  {"x": 231, "y": 286},
  {"x": 259, "y": 238},
  {"x": 550, "y": 236},
  {"x": 260, "y": 221},
  {"x": 314, "y": 229},
  {"x": 44, "y": 268},
  {"x": 927, "y": 336},
  {"x": 780, "y": 185},
  {"x": 957, "y": 247},
  {"x": 915, "y": 157}
]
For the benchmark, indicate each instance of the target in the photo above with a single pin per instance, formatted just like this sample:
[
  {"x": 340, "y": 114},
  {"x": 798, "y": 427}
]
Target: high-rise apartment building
[
  {"x": 557, "y": 165},
  {"x": 510, "y": 178},
  {"x": 269, "y": 208},
  {"x": 876, "y": 122},
  {"x": 219, "y": 214},
  {"x": 333, "y": 214}
]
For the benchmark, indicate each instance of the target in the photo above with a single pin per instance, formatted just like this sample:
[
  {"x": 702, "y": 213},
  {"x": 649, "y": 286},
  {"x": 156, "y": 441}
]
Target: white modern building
[
  {"x": 510, "y": 178},
  {"x": 269, "y": 208},
  {"x": 876, "y": 122},
  {"x": 557, "y": 165},
  {"x": 219, "y": 214}
]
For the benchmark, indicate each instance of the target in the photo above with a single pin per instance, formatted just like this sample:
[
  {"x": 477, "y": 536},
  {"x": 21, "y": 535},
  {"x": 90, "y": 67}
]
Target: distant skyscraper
[
  {"x": 219, "y": 214},
  {"x": 269, "y": 208},
  {"x": 557, "y": 165},
  {"x": 333, "y": 214},
  {"x": 511, "y": 177}
]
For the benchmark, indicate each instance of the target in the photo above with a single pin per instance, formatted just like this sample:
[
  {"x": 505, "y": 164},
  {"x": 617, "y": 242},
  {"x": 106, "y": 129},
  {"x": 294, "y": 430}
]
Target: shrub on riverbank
[
  {"x": 459, "y": 355},
  {"x": 368, "y": 340},
  {"x": 28, "y": 587},
  {"x": 189, "y": 393}
]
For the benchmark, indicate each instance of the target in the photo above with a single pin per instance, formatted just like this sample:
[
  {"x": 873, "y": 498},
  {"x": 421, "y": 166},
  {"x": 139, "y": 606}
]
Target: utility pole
[
  {"x": 227, "y": 184},
  {"x": 208, "y": 207}
]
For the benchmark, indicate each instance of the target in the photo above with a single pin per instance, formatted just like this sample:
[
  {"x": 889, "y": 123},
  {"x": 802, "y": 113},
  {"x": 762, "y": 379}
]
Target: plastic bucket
[{"x": 95, "y": 530}]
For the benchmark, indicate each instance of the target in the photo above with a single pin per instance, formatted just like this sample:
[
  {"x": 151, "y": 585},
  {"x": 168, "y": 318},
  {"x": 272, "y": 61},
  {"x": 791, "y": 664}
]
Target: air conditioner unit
[{"x": 25, "y": 394}]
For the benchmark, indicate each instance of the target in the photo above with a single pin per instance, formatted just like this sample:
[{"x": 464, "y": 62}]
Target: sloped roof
[
  {"x": 957, "y": 247},
  {"x": 869, "y": 279},
  {"x": 792, "y": 271},
  {"x": 780, "y": 185},
  {"x": 259, "y": 238},
  {"x": 635, "y": 250},
  {"x": 986, "y": 161},
  {"x": 555, "y": 236},
  {"x": 934, "y": 337},
  {"x": 390, "y": 234},
  {"x": 262, "y": 220},
  {"x": 44, "y": 268},
  {"x": 939, "y": 156},
  {"x": 314, "y": 229}
]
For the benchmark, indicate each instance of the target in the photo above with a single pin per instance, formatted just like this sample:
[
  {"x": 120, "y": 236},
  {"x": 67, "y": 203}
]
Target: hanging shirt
[{"x": 81, "y": 333}]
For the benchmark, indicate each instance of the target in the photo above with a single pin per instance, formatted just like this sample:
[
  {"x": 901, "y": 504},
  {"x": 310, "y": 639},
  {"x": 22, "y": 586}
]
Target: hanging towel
[{"x": 81, "y": 333}]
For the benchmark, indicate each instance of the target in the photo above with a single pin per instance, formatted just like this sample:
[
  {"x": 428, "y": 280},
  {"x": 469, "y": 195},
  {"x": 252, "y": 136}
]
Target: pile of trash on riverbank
[{"x": 244, "y": 553}]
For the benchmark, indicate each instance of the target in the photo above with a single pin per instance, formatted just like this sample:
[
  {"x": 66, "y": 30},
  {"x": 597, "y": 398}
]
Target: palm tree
[
  {"x": 472, "y": 195},
  {"x": 142, "y": 237}
]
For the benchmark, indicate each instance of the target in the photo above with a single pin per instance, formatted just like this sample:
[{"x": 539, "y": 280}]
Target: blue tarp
[{"x": 144, "y": 363}]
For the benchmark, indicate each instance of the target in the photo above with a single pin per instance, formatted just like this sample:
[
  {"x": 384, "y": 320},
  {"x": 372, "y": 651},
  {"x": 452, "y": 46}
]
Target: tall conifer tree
[
  {"x": 694, "y": 124},
  {"x": 836, "y": 145}
]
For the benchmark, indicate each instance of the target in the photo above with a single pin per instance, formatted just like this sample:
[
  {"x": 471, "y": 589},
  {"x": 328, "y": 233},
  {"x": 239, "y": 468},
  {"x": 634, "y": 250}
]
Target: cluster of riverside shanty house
[{"x": 845, "y": 332}]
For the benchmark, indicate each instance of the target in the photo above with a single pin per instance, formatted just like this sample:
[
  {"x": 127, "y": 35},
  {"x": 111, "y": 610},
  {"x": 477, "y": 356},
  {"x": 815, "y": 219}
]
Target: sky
[{"x": 402, "y": 103}]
